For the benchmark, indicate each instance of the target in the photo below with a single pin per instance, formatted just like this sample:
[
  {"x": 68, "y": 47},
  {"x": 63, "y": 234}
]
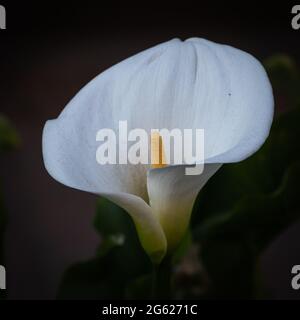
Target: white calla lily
[{"x": 178, "y": 84}]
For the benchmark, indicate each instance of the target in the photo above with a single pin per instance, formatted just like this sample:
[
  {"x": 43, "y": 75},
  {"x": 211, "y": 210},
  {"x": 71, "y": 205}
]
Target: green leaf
[
  {"x": 233, "y": 240},
  {"x": 183, "y": 247}
]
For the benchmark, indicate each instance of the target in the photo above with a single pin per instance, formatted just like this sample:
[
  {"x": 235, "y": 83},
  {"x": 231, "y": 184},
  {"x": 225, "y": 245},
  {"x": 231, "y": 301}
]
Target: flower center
[{"x": 158, "y": 157}]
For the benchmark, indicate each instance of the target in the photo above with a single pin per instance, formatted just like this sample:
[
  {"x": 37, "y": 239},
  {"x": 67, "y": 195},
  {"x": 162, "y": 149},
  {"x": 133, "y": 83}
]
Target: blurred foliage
[
  {"x": 257, "y": 199},
  {"x": 9, "y": 139},
  {"x": 119, "y": 262},
  {"x": 285, "y": 79}
]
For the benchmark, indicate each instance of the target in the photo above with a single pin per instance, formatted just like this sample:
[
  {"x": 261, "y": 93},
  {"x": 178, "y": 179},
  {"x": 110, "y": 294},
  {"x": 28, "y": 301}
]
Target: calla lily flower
[{"x": 177, "y": 84}]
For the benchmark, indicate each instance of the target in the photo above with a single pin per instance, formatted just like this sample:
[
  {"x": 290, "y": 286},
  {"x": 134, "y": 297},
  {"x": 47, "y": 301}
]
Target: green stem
[{"x": 161, "y": 279}]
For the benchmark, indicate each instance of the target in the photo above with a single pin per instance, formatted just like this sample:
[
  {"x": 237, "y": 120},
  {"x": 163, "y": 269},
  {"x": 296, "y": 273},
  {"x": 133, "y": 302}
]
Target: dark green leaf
[{"x": 233, "y": 240}]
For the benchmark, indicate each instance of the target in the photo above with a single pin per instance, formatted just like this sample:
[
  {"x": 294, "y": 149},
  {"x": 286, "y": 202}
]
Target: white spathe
[{"x": 177, "y": 84}]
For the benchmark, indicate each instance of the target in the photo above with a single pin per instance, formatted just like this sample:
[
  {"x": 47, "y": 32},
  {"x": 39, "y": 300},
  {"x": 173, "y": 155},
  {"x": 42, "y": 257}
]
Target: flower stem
[{"x": 161, "y": 279}]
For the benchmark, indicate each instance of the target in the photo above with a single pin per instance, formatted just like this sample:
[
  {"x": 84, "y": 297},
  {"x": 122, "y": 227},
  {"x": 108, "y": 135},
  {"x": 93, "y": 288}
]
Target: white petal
[{"x": 172, "y": 195}]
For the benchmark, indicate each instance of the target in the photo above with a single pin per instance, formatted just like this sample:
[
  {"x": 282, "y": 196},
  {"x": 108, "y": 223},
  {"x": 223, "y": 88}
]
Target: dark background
[{"x": 47, "y": 53}]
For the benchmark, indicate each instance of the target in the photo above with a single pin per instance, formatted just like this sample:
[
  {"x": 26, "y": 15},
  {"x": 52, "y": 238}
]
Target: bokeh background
[{"x": 47, "y": 53}]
